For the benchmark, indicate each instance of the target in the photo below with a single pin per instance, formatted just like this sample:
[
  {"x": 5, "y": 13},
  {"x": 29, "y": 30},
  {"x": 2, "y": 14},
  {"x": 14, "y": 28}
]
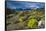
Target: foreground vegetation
[{"x": 29, "y": 19}]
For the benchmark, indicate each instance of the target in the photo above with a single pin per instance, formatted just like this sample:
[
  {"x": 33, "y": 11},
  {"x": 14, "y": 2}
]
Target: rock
[{"x": 41, "y": 24}]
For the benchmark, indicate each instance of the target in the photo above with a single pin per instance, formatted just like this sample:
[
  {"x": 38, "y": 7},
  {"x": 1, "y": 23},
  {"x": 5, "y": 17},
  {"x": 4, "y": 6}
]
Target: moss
[
  {"x": 32, "y": 23},
  {"x": 21, "y": 19}
]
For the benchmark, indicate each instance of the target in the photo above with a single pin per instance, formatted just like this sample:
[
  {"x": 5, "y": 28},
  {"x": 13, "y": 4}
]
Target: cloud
[{"x": 20, "y": 4}]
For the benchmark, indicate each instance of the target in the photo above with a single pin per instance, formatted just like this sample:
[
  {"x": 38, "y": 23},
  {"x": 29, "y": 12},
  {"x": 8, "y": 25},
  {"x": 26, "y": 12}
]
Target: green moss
[
  {"x": 32, "y": 23},
  {"x": 21, "y": 19}
]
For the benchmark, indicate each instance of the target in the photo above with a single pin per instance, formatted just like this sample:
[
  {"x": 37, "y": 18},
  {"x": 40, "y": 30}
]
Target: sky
[{"x": 24, "y": 5}]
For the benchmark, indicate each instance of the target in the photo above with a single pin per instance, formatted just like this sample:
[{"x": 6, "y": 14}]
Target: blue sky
[{"x": 20, "y": 4}]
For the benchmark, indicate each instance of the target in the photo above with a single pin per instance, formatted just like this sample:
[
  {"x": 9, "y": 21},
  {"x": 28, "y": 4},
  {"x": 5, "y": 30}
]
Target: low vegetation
[{"x": 24, "y": 19}]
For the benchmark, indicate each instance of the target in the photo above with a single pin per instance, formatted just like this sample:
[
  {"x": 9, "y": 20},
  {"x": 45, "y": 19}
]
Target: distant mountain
[{"x": 23, "y": 9}]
